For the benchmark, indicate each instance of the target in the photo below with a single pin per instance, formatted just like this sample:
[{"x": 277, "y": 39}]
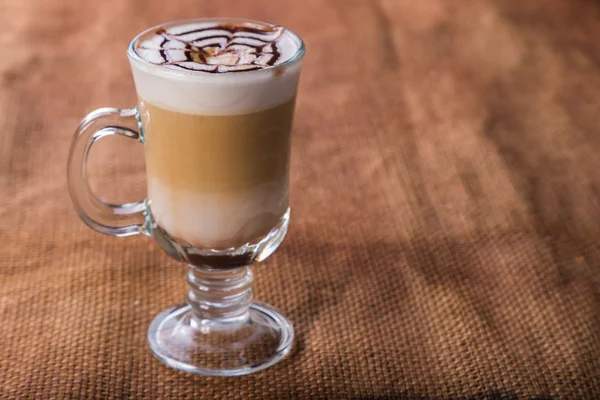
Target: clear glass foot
[
  {"x": 265, "y": 338},
  {"x": 220, "y": 332}
]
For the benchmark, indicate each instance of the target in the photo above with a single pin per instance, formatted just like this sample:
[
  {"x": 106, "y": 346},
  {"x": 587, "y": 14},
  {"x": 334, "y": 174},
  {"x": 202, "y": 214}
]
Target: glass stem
[{"x": 219, "y": 297}]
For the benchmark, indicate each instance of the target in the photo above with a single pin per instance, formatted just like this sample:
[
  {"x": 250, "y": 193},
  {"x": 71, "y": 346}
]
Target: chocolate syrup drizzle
[{"x": 236, "y": 40}]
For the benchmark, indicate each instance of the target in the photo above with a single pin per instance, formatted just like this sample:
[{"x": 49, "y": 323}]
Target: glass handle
[{"x": 112, "y": 219}]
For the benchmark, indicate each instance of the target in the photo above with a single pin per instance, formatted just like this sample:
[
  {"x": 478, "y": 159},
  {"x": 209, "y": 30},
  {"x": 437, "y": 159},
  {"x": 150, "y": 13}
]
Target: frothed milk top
[
  {"x": 217, "y": 47},
  {"x": 216, "y": 67}
]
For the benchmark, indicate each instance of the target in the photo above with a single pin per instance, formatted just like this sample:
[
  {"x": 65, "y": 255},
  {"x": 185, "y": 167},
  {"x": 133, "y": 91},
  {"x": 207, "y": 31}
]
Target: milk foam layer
[
  {"x": 217, "y": 47},
  {"x": 237, "y": 67}
]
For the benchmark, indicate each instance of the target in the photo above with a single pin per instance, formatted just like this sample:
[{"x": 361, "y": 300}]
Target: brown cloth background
[{"x": 446, "y": 204}]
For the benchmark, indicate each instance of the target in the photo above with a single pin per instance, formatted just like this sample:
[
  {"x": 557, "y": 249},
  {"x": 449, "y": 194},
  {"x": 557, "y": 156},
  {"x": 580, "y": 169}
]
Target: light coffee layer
[{"x": 217, "y": 181}]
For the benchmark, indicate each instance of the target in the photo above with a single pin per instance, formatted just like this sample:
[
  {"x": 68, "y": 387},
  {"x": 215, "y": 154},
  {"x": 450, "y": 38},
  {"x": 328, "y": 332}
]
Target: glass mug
[{"x": 217, "y": 149}]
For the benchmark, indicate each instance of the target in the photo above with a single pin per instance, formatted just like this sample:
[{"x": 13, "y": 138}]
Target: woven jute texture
[{"x": 445, "y": 227}]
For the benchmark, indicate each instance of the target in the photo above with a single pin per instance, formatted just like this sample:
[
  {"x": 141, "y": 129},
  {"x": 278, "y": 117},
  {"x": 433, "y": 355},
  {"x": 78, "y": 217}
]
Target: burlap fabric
[{"x": 446, "y": 205}]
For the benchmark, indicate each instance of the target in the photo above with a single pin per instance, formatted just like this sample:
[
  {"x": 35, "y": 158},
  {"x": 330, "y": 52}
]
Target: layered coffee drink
[
  {"x": 216, "y": 102},
  {"x": 214, "y": 113}
]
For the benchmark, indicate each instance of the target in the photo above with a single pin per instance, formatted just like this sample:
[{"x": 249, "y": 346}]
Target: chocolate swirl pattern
[{"x": 215, "y": 48}]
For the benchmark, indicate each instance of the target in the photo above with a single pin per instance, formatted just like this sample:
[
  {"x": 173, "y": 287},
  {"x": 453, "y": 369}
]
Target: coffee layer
[{"x": 217, "y": 181}]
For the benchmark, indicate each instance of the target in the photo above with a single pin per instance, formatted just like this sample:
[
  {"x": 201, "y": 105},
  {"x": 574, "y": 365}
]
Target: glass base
[{"x": 232, "y": 347}]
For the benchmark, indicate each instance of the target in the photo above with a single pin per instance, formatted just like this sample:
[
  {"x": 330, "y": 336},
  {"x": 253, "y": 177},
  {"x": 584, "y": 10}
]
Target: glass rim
[{"x": 272, "y": 69}]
